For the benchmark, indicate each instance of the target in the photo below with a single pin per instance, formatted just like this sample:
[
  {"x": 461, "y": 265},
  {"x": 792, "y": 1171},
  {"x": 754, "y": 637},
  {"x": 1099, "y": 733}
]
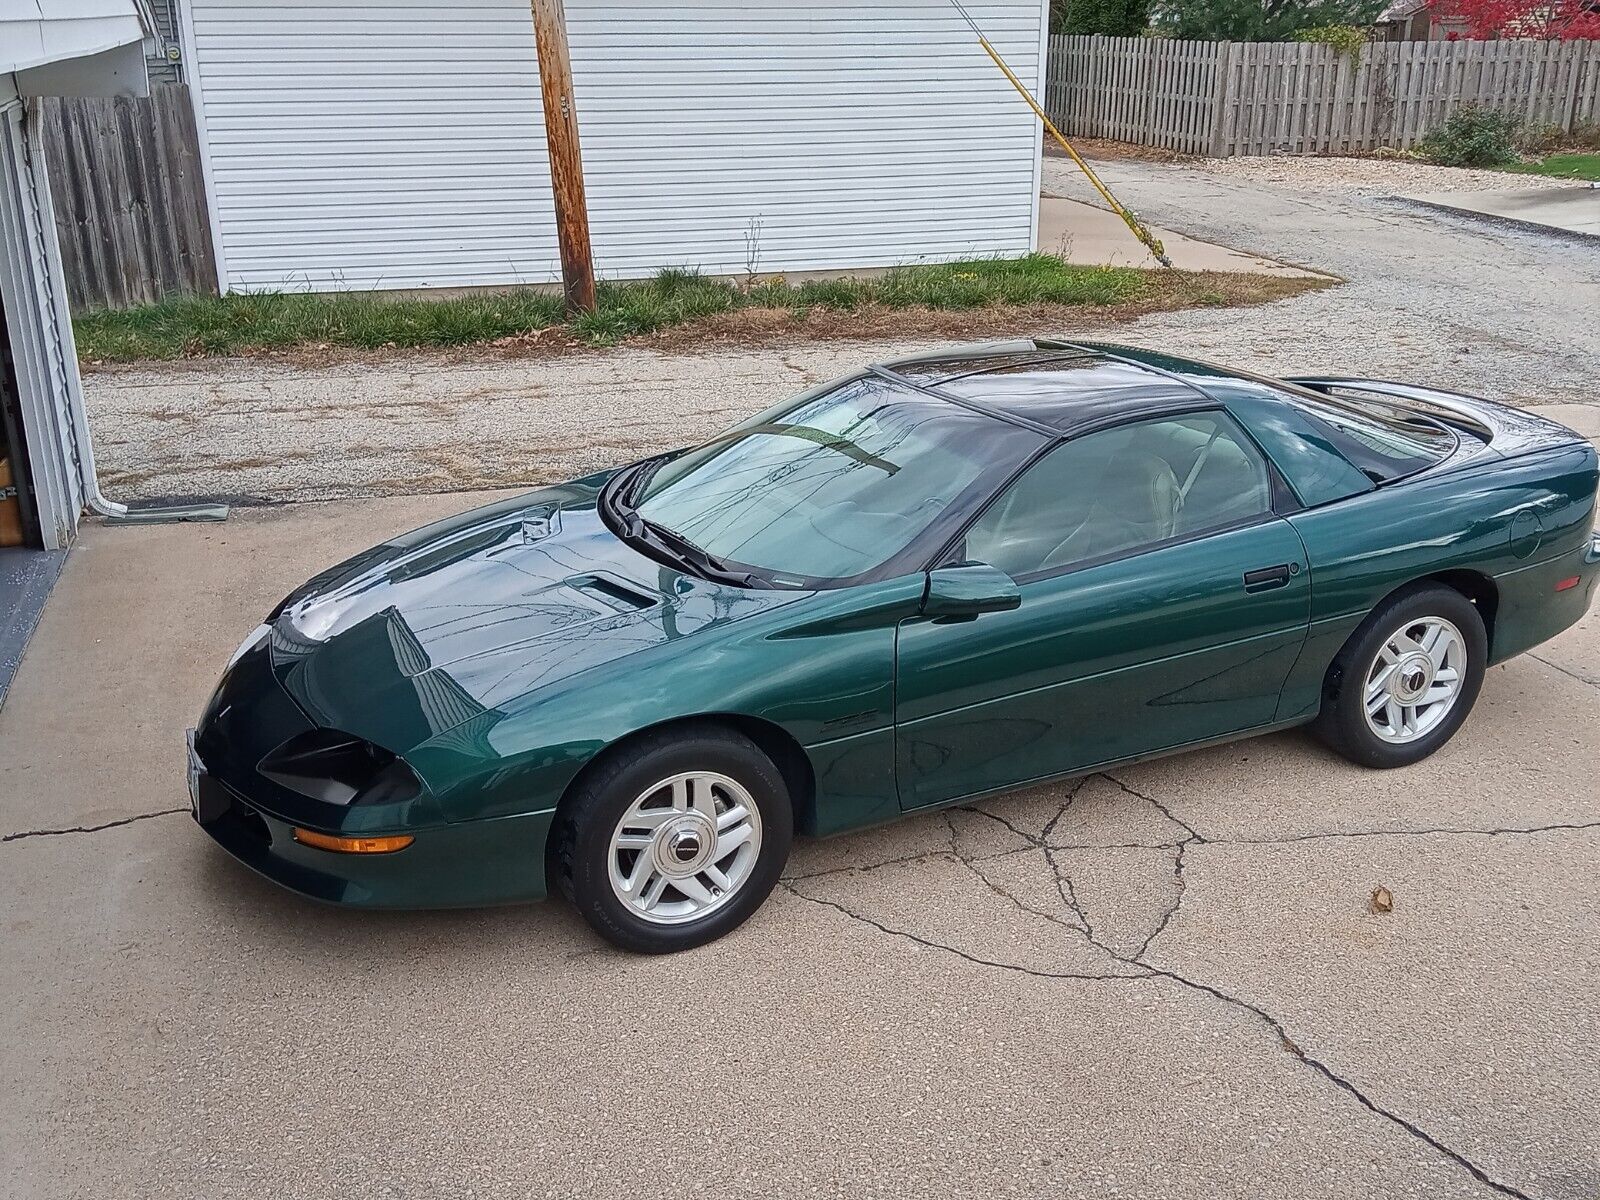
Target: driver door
[{"x": 1163, "y": 603}]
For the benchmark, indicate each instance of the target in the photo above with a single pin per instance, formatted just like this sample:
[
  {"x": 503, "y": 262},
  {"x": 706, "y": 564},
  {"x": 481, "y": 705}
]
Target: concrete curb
[{"x": 1494, "y": 219}]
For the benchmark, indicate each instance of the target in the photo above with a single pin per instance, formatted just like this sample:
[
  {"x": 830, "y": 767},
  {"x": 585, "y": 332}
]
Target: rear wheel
[
  {"x": 674, "y": 840},
  {"x": 1406, "y": 680}
]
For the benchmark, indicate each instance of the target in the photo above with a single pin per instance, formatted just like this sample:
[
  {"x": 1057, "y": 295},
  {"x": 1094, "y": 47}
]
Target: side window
[{"x": 1120, "y": 490}]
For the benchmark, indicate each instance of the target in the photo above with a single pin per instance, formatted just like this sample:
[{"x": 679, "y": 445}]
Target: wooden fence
[
  {"x": 130, "y": 199},
  {"x": 1233, "y": 98}
]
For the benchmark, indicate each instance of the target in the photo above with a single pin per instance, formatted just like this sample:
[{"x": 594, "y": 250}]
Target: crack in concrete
[
  {"x": 1144, "y": 970},
  {"x": 919, "y": 856},
  {"x": 1177, "y": 903},
  {"x": 1194, "y": 834},
  {"x": 1570, "y": 674},
  {"x": 1050, "y": 825},
  {"x": 1067, "y": 892},
  {"x": 1141, "y": 969},
  {"x": 1340, "y": 1081},
  {"x": 1442, "y": 831},
  {"x": 1031, "y": 839},
  {"x": 1080, "y": 927},
  {"x": 962, "y": 954},
  {"x": 35, "y": 833},
  {"x": 1125, "y": 845}
]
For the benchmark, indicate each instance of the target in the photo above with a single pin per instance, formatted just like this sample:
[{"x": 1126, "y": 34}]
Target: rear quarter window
[{"x": 1302, "y": 449}]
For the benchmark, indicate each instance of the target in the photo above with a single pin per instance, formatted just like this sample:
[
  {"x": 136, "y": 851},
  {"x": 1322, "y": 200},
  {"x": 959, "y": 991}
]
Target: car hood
[{"x": 426, "y": 631}]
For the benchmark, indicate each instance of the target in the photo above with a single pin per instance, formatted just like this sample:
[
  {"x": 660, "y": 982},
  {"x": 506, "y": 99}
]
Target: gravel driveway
[{"x": 1431, "y": 299}]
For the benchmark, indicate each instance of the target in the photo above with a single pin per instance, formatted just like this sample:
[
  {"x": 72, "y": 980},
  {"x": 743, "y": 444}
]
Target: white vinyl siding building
[
  {"x": 400, "y": 143},
  {"x": 63, "y": 48},
  {"x": 43, "y": 358}
]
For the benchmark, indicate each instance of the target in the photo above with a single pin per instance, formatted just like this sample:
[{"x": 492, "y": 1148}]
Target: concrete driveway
[
  {"x": 1162, "y": 982},
  {"x": 1169, "y": 982},
  {"x": 1573, "y": 210}
]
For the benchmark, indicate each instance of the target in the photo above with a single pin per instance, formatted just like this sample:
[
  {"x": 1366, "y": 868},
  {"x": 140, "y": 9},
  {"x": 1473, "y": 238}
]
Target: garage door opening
[
  {"x": 19, "y": 518},
  {"x": 27, "y": 570}
]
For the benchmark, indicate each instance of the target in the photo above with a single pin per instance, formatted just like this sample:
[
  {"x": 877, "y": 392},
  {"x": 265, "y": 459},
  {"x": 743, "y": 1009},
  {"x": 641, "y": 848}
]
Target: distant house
[
  {"x": 163, "y": 53},
  {"x": 389, "y": 144},
  {"x": 1415, "y": 21}
]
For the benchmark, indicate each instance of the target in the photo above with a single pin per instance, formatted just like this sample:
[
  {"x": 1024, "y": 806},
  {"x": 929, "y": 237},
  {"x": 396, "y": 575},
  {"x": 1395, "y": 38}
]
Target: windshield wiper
[
  {"x": 685, "y": 551},
  {"x": 618, "y": 498}
]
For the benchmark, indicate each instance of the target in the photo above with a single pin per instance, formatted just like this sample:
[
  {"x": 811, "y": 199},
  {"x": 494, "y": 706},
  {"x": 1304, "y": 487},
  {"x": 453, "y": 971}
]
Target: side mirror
[{"x": 962, "y": 592}]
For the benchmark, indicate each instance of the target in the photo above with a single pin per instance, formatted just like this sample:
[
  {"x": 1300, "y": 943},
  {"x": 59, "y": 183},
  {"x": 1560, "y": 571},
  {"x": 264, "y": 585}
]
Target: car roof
[{"x": 1059, "y": 386}]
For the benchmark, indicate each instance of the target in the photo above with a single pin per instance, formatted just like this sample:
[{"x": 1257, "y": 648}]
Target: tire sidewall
[
  {"x": 607, "y": 795},
  {"x": 1345, "y": 722}
]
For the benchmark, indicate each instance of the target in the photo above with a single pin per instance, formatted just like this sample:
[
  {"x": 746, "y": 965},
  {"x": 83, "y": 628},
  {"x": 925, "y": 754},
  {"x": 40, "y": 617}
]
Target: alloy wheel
[
  {"x": 685, "y": 847},
  {"x": 1415, "y": 679}
]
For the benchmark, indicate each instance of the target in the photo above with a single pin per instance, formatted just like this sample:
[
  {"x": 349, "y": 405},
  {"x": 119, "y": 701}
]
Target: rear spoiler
[
  {"x": 1455, "y": 404},
  {"x": 1509, "y": 430}
]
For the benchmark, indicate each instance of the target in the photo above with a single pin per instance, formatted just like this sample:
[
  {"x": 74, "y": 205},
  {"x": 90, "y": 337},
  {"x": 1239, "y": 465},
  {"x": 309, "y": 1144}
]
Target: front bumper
[
  {"x": 458, "y": 864},
  {"x": 463, "y": 865}
]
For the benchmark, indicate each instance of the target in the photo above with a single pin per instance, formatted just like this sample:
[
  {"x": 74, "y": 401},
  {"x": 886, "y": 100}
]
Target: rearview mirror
[{"x": 962, "y": 592}]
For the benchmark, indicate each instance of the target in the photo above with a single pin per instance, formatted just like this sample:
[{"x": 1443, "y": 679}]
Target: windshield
[
  {"x": 833, "y": 485},
  {"x": 1382, "y": 441}
]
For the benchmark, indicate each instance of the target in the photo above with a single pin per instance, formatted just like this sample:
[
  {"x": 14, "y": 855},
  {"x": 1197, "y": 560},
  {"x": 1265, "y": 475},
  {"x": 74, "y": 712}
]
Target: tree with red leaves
[{"x": 1549, "y": 20}]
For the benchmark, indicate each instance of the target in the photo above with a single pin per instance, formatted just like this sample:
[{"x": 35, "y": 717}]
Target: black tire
[
  {"x": 1343, "y": 724},
  {"x": 581, "y": 840}
]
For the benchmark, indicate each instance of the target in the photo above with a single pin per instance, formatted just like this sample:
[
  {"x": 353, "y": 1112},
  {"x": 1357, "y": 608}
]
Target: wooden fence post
[{"x": 1219, "y": 100}]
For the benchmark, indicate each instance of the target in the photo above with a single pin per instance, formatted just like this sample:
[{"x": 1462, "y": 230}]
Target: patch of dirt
[
  {"x": 1100, "y": 148},
  {"x": 763, "y": 327},
  {"x": 1171, "y": 290}
]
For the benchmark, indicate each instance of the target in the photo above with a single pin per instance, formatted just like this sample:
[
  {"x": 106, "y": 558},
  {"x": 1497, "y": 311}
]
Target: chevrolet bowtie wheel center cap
[
  {"x": 1413, "y": 679},
  {"x": 684, "y": 845}
]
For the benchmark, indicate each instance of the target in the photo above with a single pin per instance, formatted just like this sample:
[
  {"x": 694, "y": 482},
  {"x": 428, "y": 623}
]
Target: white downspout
[{"x": 93, "y": 497}]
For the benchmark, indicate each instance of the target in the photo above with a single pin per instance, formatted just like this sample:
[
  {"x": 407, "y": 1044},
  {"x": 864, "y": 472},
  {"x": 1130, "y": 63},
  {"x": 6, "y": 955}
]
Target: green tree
[
  {"x": 1115, "y": 18},
  {"x": 1260, "y": 20}
]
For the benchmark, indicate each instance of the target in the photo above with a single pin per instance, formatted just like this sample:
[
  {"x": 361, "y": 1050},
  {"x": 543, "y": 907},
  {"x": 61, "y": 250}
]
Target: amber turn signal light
[{"x": 353, "y": 845}]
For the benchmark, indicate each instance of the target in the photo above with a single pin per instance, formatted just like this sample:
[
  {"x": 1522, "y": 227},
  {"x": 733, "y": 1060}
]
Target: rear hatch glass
[{"x": 1384, "y": 441}]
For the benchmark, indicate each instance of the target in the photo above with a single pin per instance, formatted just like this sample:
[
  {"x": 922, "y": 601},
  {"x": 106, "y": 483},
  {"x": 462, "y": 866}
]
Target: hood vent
[{"x": 622, "y": 596}]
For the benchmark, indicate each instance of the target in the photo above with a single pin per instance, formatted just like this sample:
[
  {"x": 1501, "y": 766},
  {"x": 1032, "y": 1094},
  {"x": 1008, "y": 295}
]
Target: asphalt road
[{"x": 1163, "y": 982}]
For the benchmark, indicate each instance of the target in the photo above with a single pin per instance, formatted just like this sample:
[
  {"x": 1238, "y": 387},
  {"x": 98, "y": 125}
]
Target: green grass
[
  {"x": 1563, "y": 166},
  {"x": 195, "y": 326}
]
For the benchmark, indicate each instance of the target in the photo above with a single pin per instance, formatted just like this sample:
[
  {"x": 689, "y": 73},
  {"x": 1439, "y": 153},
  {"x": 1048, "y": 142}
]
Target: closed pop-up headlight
[{"x": 338, "y": 768}]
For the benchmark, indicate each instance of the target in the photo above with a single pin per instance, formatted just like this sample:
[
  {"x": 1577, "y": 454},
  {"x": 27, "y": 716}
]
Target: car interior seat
[{"x": 1136, "y": 503}]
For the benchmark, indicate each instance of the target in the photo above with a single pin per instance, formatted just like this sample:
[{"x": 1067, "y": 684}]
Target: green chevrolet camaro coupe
[{"x": 931, "y": 581}]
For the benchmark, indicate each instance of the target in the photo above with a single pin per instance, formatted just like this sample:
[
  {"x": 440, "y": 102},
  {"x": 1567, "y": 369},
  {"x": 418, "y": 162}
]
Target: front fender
[{"x": 823, "y": 681}]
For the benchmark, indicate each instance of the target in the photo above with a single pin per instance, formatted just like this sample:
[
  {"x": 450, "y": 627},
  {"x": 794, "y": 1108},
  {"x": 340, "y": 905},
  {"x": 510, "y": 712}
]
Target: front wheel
[
  {"x": 1406, "y": 680},
  {"x": 674, "y": 840}
]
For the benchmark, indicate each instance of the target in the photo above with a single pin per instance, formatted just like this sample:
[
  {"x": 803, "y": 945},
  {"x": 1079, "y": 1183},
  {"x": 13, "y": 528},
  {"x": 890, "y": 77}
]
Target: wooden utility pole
[{"x": 566, "y": 160}]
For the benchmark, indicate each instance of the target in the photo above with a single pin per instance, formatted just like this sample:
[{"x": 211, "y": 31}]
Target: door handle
[{"x": 1267, "y": 578}]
